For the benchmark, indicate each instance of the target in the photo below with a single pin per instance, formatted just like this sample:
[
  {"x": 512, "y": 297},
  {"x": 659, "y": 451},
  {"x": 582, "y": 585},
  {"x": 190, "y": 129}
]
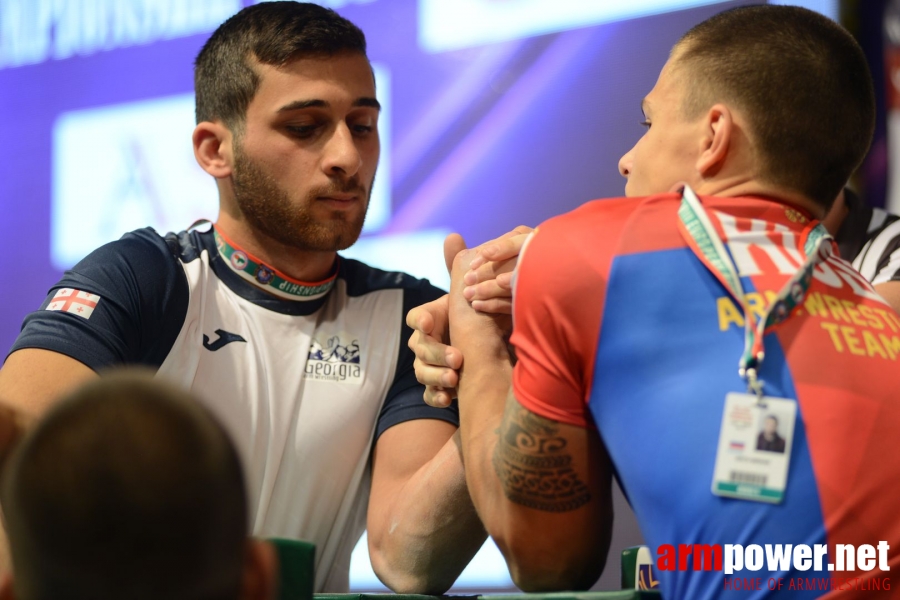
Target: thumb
[{"x": 453, "y": 245}]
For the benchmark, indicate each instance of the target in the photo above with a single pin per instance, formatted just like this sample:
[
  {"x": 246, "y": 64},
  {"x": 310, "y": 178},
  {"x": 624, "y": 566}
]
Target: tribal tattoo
[{"x": 533, "y": 465}]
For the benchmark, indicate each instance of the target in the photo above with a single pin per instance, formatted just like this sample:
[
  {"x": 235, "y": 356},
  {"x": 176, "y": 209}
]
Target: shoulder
[
  {"x": 140, "y": 244},
  {"x": 565, "y": 250},
  {"x": 142, "y": 264},
  {"x": 596, "y": 227},
  {"x": 362, "y": 279},
  {"x": 604, "y": 212},
  {"x": 144, "y": 251},
  {"x": 123, "y": 303}
]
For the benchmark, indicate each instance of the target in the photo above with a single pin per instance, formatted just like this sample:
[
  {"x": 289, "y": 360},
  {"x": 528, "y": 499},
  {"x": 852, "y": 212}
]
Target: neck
[
  {"x": 302, "y": 265},
  {"x": 837, "y": 214},
  {"x": 748, "y": 186}
]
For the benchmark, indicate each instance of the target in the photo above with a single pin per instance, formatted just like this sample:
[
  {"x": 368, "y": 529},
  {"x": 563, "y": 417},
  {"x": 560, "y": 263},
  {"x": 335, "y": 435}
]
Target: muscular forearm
[
  {"x": 483, "y": 384},
  {"x": 430, "y": 531},
  {"x": 540, "y": 487},
  {"x": 550, "y": 520},
  {"x": 483, "y": 388}
]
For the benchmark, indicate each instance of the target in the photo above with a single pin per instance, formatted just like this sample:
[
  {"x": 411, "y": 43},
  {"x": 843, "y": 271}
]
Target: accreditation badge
[{"x": 754, "y": 447}]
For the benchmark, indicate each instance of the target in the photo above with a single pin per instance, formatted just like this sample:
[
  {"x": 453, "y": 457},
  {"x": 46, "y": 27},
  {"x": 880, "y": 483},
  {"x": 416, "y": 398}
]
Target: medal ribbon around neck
[
  {"x": 253, "y": 270},
  {"x": 701, "y": 236}
]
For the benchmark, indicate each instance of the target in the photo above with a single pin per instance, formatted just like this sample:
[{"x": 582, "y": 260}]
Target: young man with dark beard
[{"x": 298, "y": 352}]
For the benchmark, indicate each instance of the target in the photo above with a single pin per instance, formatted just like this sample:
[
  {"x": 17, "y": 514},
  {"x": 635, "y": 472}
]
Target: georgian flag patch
[{"x": 74, "y": 301}]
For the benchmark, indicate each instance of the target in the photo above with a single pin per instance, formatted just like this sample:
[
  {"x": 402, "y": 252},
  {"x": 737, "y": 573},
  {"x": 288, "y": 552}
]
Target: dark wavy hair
[{"x": 271, "y": 33}]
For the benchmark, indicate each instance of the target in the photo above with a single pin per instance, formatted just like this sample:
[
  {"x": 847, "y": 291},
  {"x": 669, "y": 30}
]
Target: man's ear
[
  {"x": 260, "y": 578},
  {"x": 718, "y": 130},
  {"x": 6, "y": 587},
  {"x": 213, "y": 148}
]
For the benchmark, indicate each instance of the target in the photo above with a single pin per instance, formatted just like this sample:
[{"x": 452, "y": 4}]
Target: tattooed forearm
[{"x": 533, "y": 465}]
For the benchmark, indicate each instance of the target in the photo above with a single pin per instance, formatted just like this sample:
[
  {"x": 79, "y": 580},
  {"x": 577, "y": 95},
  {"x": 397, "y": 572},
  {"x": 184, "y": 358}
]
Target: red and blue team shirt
[{"x": 619, "y": 326}]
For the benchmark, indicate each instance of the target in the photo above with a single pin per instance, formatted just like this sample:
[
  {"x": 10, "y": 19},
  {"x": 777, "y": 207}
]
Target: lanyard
[
  {"x": 252, "y": 269},
  {"x": 703, "y": 239}
]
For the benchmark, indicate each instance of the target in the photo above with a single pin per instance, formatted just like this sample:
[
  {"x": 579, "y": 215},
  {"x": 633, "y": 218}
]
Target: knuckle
[{"x": 430, "y": 355}]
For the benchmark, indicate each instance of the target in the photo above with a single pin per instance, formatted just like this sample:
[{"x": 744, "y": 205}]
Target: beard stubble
[{"x": 269, "y": 209}]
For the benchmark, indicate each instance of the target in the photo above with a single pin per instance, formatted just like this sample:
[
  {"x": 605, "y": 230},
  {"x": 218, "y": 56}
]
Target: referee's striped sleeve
[{"x": 879, "y": 260}]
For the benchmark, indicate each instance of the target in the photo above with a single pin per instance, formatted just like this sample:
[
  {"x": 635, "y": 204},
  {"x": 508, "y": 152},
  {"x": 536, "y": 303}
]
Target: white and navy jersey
[
  {"x": 870, "y": 239},
  {"x": 304, "y": 387}
]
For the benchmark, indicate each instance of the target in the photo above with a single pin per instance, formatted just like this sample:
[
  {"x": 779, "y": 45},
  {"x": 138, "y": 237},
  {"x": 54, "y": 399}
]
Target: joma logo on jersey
[{"x": 334, "y": 360}]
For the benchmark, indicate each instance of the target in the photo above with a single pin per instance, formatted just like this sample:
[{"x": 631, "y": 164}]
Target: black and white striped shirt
[{"x": 870, "y": 239}]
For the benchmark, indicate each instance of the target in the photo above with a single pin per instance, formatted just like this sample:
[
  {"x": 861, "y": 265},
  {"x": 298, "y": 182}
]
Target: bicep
[
  {"x": 554, "y": 330},
  {"x": 33, "y": 379}
]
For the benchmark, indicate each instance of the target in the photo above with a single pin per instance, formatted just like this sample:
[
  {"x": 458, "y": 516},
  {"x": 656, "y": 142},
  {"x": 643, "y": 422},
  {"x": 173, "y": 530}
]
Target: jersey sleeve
[
  {"x": 404, "y": 398},
  {"x": 557, "y": 305},
  {"x": 887, "y": 247},
  {"x": 124, "y": 303}
]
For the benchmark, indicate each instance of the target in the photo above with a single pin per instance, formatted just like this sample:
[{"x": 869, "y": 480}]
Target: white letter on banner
[
  {"x": 753, "y": 557},
  {"x": 126, "y": 23},
  {"x": 820, "y": 551},
  {"x": 778, "y": 556},
  {"x": 95, "y": 26},
  {"x": 24, "y": 31},
  {"x": 802, "y": 557},
  {"x": 865, "y": 557},
  {"x": 846, "y": 557},
  {"x": 734, "y": 558},
  {"x": 68, "y": 30},
  {"x": 883, "y": 548}
]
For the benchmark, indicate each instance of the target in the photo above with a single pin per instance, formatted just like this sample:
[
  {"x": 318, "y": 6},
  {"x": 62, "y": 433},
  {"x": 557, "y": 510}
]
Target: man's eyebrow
[
  {"x": 301, "y": 104},
  {"x": 371, "y": 102},
  {"x": 644, "y": 105}
]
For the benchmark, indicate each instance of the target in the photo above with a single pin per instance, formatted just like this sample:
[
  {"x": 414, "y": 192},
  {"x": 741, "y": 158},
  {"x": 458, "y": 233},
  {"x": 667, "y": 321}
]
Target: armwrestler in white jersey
[{"x": 288, "y": 127}]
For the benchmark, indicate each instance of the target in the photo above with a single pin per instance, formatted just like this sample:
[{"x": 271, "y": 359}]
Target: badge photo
[{"x": 754, "y": 448}]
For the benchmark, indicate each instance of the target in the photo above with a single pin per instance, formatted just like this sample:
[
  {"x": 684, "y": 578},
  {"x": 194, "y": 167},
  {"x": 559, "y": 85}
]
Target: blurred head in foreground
[{"x": 129, "y": 489}]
